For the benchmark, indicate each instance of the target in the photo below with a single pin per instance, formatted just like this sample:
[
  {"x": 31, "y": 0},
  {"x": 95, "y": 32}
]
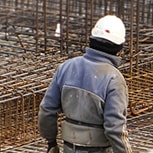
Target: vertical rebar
[
  {"x": 16, "y": 120},
  {"x": 143, "y": 12},
  {"x": 92, "y": 13},
  {"x": 131, "y": 35},
  {"x": 105, "y": 6},
  {"x": 67, "y": 24},
  {"x": 34, "y": 125},
  {"x": 22, "y": 113},
  {"x": 34, "y": 113},
  {"x": 137, "y": 31},
  {"x": 131, "y": 48},
  {"x": 86, "y": 23},
  {"x": 16, "y": 3},
  {"x": 45, "y": 24},
  {"x": 61, "y": 27},
  {"x": 111, "y": 7},
  {"x": 36, "y": 25},
  {"x": 120, "y": 8}
]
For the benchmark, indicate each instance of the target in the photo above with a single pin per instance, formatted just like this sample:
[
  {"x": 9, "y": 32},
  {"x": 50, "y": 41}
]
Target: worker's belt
[
  {"x": 84, "y": 135},
  {"x": 82, "y": 148},
  {"x": 83, "y": 123}
]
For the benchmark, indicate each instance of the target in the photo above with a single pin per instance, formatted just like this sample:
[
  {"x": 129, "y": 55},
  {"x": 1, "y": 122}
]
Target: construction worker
[{"x": 92, "y": 94}]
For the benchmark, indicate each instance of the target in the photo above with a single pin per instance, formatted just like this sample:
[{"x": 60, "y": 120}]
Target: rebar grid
[
  {"x": 141, "y": 132},
  {"x": 24, "y": 79},
  {"x": 140, "y": 85},
  {"x": 140, "y": 136},
  {"x": 29, "y": 27}
]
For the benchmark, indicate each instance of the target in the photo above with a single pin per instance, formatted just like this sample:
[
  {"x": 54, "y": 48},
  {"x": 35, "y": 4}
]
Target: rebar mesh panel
[
  {"x": 29, "y": 27},
  {"x": 140, "y": 136},
  {"x": 23, "y": 81},
  {"x": 140, "y": 85}
]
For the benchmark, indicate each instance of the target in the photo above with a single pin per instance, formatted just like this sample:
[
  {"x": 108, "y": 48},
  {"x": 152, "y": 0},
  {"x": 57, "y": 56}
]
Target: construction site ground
[{"x": 140, "y": 136}]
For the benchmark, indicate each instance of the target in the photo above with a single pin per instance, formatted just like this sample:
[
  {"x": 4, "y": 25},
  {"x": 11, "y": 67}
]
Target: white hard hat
[{"x": 110, "y": 28}]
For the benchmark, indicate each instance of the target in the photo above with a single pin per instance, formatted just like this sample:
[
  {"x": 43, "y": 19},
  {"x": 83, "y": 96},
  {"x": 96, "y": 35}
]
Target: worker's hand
[
  {"x": 52, "y": 147},
  {"x": 54, "y": 150}
]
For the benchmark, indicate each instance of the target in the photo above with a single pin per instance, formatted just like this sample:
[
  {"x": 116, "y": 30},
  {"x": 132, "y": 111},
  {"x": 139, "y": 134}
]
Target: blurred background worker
[{"x": 92, "y": 94}]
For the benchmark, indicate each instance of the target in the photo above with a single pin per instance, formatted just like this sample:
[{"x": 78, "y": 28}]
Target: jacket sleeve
[
  {"x": 115, "y": 111},
  {"x": 48, "y": 112}
]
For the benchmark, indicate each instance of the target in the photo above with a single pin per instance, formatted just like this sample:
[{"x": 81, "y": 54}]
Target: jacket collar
[{"x": 100, "y": 56}]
